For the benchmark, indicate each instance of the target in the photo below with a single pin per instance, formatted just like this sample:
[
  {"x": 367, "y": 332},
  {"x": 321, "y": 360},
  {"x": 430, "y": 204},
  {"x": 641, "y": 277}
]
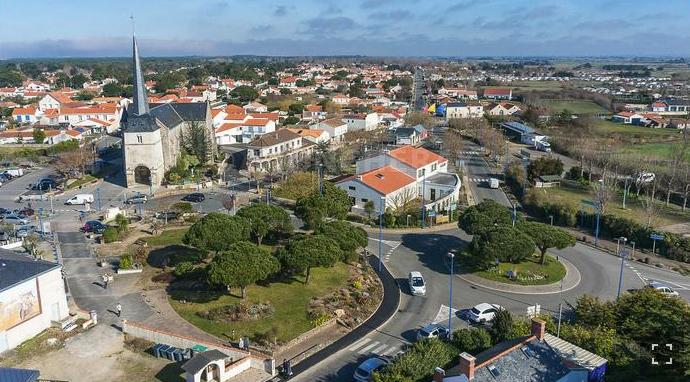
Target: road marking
[
  {"x": 392, "y": 350},
  {"x": 442, "y": 315},
  {"x": 368, "y": 347},
  {"x": 378, "y": 349},
  {"x": 358, "y": 344}
]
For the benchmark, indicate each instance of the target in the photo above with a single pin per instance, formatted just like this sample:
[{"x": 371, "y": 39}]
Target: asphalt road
[{"x": 479, "y": 172}]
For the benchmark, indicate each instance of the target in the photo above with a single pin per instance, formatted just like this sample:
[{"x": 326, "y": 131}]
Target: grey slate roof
[
  {"x": 16, "y": 268},
  {"x": 405, "y": 131},
  {"x": 542, "y": 365},
  {"x": 518, "y": 127},
  {"x": 199, "y": 361},
  {"x": 443, "y": 178},
  {"x": 169, "y": 114},
  {"x": 141, "y": 124},
  {"x": 8, "y": 374}
]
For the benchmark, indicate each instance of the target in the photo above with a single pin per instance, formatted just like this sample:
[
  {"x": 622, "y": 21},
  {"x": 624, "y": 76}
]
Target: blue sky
[{"x": 59, "y": 28}]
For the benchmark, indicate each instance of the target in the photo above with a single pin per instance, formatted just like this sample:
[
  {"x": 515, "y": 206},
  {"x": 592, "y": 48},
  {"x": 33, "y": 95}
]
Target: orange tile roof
[
  {"x": 386, "y": 179},
  {"x": 313, "y": 108},
  {"x": 255, "y": 122},
  {"x": 416, "y": 157},
  {"x": 107, "y": 108},
  {"x": 235, "y": 117},
  {"x": 31, "y": 110},
  {"x": 272, "y": 116},
  {"x": 234, "y": 109},
  {"x": 227, "y": 126},
  {"x": 315, "y": 133},
  {"x": 215, "y": 112}
]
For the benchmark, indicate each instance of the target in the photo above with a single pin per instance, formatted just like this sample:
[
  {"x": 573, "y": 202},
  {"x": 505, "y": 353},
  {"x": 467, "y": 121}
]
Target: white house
[
  {"x": 32, "y": 297},
  {"x": 384, "y": 186},
  {"x": 460, "y": 93},
  {"x": 255, "y": 107},
  {"x": 502, "y": 108},
  {"x": 335, "y": 127},
  {"x": 428, "y": 171},
  {"x": 277, "y": 150},
  {"x": 340, "y": 99},
  {"x": 313, "y": 135},
  {"x": 464, "y": 110},
  {"x": 366, "y": 122},
  {"x": 628, "y": 118}
]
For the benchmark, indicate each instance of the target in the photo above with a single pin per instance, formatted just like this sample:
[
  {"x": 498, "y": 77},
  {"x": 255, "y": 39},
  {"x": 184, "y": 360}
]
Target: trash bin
[
  {"x": 176, "y": 355},
  {"x": 159, "y": 350},
  {"x": 169, "y": 353},
  {"x": 94, "y": 316}
]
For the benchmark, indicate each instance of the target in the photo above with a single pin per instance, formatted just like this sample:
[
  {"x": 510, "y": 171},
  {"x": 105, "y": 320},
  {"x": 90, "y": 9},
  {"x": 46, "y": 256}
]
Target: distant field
[
  {"x": 658, "y": 150},
  {"x": 575, "y": 106},
  {"x": 605, "y": 127},
  {"x": 536, "y": 85}
]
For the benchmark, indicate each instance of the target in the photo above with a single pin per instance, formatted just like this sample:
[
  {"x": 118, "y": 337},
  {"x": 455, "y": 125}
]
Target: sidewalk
[
  {"x": 571, "y": 280},
  {"x": 435, "y": 228}
]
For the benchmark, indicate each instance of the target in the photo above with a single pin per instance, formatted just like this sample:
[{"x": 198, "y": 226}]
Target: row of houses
[{"x": 476, "y": 109}]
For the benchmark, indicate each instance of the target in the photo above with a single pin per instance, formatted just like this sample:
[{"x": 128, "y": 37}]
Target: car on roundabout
[{"x": 484, "y": 312}]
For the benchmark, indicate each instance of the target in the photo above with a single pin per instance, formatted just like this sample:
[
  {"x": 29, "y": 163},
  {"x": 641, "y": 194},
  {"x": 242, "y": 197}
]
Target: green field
[
  {"x": 656, "y": 150},
  {"x": 606, "y": 127},
  {"x": 634, "y": 210},
  {"x": 575, "y": 106},
  {"x": 290, "y": 298}
]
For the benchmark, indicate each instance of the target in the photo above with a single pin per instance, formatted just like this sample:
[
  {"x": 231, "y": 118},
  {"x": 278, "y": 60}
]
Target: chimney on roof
[
  {"x": 538, "y": 328},
  {"x": 439, "y": 374},
  {"x": 467, "y": 365}
]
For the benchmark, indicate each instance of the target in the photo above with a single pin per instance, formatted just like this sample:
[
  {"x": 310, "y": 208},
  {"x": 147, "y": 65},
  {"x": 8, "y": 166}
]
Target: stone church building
[{"x": 151, "y": 134}]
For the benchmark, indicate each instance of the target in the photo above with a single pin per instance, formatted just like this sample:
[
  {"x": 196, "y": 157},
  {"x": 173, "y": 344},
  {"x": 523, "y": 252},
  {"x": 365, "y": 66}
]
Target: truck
[
  {"x": 14, "y": 172},
  {"x": 493, "y": 183},
  {"x": 542, "y": 145},
  {"x": 80, "y": 199}
]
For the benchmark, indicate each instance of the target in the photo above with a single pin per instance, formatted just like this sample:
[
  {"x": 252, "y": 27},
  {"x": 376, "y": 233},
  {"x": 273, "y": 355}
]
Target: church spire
[{"x": 141, "y": 105}]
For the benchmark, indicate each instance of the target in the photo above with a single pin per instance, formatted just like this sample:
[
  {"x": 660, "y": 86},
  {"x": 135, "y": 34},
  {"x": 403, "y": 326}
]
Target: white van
[
  {"x": 80, "y": 199},
  {"x": 493, "y": 183},
  {"x": 417, "y": 284}
]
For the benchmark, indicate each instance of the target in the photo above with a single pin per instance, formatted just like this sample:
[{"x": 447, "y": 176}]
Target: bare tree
[
  {"x": 649, "y": 203},
  {"x": 685, "y": 182},
  {"x": 678, "y": 153},
  {"x": 402, "y": 201}
]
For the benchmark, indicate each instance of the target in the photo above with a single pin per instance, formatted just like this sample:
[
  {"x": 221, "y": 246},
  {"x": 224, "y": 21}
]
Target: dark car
[
  {"x": 4, "y": 236},
  {"x": 94, "y": 226},
  {"x": 25, "y": 212},
  {"x": 5, "y": 211},
  {"x": 44, "y": 185},
  {"x": 194, "y": 197}
]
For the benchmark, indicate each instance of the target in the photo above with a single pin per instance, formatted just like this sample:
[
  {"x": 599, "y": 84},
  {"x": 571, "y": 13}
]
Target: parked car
[
  {"x": 4, "y": 237},
  {"x": 194, "y": 197},
  {"x": 44, "y": 185},
  {"x": 21, "y": 233},
  {"x": 25, "y": 212},
  {"x": 484, "y": 312},
  {"x": 137, "y": 199},
  {"x": 367, "y": 368},
  {"x": 15, "y": 220},
  {"x": 80, "y": 199},
  {"x": 663, "y": 288},
  {"x": 167, "y": 215},
  {"x": 93, "y": 226},
  {"x": 5, "y": 211},
  {"x": 417, "y": 284},
  {"x": 432, "y": 331}
]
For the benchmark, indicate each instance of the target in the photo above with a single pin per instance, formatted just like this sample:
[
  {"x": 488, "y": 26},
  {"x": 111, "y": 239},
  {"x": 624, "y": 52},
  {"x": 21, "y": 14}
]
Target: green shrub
[
  {"x": 122, "y": 223},
  {"x": 183, "y": 268},
  {"x": 183, "y": 207},
  {"x": 473, "y": 340},
  {"x": 419, "y": 362},
  {"x": 126, "y": 262},
  {"x": 110, "y": 235}
]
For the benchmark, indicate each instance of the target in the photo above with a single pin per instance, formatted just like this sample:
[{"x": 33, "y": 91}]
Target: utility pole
[
  {"x": 321, "y": 179},
  {"x": 423, "y": 198},
  {"x": 381, "y": 232},
  {"x": 450, "y": 299},
  {"x": 98, "y": 198}
]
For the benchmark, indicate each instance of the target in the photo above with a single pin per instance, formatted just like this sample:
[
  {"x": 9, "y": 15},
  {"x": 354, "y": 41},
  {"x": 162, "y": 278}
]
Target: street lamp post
[
  {"x": 423, "y": 198},
  {"x": 598, "y": 208},
  {"x": 619, "y": 253},
  {"x": 551, "y": 218},
  {"x": 408, "y": 220},
  {"x": 450, "y": 299},
  {"x": 381, "y": 232}
]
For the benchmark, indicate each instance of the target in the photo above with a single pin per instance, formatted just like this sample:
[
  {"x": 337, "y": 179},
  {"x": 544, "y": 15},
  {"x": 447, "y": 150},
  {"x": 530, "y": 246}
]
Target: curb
[
  {"x": 362, "y": 329},
  {"x": 511, "y": 288},
  {"x": 439, "y": 227}
]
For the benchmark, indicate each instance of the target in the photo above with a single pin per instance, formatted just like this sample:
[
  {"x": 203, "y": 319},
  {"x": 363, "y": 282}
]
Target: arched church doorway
[{"x": 142, "y": 175}]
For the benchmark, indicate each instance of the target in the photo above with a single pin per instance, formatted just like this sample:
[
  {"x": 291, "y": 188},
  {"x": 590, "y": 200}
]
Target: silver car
[{"x": 15, "y": 220}]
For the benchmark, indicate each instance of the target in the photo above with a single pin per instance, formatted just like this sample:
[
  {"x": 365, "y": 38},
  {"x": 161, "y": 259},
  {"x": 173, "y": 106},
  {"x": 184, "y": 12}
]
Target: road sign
[
  {"x": 656, "y": 236},
  {"x": 431, "y": 213},
  {"x": 624, "y": 252}
]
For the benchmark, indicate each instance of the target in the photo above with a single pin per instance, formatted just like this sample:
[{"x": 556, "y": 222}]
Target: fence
[{"x": 160, "y": 336}]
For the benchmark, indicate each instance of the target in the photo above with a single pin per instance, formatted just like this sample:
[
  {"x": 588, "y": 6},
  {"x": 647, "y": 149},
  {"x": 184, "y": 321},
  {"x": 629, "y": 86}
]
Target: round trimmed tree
[
  {"x": 241, "y": 265},
  {"x": 216, "y": 232},
  {"x": 306, "y": 252}
]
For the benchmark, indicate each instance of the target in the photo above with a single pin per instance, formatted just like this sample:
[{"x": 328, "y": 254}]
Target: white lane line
[
  {"x": 358, "y": 344},
  {"x": 368, "y": 347},
  {"x": 379, "y": 349},
  {"x": 390, "y": 351}
]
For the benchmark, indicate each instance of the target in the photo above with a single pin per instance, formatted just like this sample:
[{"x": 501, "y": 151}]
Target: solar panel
[{"x": 494, "y": 371}]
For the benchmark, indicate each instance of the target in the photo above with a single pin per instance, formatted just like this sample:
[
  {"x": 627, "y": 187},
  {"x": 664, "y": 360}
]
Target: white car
[
  {"x": 484, "y": 312},
  {"x": 417, "y": 284},
  {"x": 432, "y": 331},
  {"x": 665, "y": 289}
]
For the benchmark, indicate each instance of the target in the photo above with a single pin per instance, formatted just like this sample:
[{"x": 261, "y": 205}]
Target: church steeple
[{"x": 141, "y": 104}]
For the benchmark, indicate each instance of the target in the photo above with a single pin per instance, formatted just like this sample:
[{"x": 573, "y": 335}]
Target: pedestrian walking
[
  {"x": 105, "y": 281},
  {"x": 288, "y": 369},
  {"x": 241, "y": 343},
  {"x": 118, "y": 308}
]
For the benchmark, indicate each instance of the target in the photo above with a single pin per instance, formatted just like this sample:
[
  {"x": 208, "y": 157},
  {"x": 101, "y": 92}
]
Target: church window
[{"x": 140, "y": 139}]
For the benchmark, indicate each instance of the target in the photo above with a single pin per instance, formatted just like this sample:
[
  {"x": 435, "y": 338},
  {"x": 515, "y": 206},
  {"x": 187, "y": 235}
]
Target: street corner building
[
  {"x": 32, "y": 297},
  {"x": 152, "y": 133}
]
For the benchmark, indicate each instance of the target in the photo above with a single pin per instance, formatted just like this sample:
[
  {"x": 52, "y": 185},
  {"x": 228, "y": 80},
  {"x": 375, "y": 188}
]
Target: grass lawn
[
  {"x": 657, "y": 150},
  {"x": 553, "y": 271},
  {"x": 634, "y": 208},
  {"x": 536, "y": 85},
  {"x": 167, "y": 237},
  {"x": 576, "y": 106},
  {"x": 608, "y": 128},
  {"x": 289, "y": 298},
  {"x": 80, "y": 182}
]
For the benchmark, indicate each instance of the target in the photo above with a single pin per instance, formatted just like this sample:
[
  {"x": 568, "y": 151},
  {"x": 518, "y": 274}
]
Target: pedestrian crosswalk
[
  {"x": 368, "y": 346},
  {"x": 469, "y": 153},
  {"x": 479, "y": 180},
  {"x": 645, "y": 279}
]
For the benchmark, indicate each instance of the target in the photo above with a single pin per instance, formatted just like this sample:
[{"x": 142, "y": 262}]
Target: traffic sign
[
  {"x": 656, "y": 236},
  {"x": 431, "y": 213}
]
